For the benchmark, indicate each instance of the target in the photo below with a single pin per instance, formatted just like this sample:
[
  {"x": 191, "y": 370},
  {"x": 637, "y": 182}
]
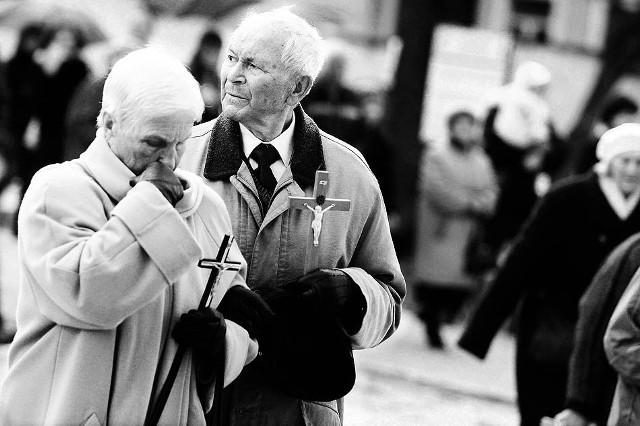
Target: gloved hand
[
  {"x": 332, "y": 293},
  {"x": 163, "y": 178},
  {"x": 247, "y": 309},
  {"x": 204, "y": 332}
]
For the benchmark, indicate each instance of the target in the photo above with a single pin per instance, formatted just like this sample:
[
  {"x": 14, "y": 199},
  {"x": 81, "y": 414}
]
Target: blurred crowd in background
[{"x": 474, "y": 187}]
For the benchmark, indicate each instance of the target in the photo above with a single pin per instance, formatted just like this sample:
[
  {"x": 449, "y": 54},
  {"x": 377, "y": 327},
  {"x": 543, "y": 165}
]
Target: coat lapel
[
  {"x": 225, "y": 156},
  {"x": 225, "y": 160}
]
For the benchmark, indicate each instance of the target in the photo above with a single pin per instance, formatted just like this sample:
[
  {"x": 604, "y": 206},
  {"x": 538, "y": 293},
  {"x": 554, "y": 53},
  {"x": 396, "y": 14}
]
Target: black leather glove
[
  {"x": 332, "y": 293},
  {"x": 204, "y": 332},
  {"x": 247, "y": 309},
  {"x": 163, "y": 178}
]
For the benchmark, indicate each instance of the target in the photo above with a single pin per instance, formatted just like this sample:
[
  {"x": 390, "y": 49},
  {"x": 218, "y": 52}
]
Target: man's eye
[
  {"x": 153, "y": 144},
  {"x": 231, "y": 58}
]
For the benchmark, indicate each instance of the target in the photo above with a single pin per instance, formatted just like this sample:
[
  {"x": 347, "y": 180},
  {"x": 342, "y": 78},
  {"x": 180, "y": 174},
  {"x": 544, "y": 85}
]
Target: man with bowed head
[
  {"x": 108, "y": 246},
  {"x": 261, "y": 150}
]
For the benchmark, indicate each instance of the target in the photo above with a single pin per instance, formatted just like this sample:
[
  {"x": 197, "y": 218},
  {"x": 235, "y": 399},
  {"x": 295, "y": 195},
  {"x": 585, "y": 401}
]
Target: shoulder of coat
[
  {"x": 64, "y": 181},
  {"x": 343, "y": 149}
]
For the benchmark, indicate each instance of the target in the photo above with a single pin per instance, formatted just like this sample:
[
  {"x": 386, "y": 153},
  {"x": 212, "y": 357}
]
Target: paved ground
[{"x": 400, "y": 382}]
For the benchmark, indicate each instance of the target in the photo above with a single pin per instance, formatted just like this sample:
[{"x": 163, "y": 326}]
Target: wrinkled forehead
[
  {"x": 262, "y": 41},
  {"x": 176, "y": 125}
]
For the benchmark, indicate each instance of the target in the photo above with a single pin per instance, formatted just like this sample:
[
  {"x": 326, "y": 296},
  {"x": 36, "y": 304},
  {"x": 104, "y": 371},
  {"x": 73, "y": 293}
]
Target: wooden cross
[{"x": 319, "y": 204}]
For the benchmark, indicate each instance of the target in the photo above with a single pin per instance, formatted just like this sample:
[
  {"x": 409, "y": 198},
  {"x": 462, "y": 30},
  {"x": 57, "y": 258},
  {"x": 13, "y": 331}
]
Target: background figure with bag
[
  {"x": 457, "y": 190},
  {"x": 553, "y": 260}
]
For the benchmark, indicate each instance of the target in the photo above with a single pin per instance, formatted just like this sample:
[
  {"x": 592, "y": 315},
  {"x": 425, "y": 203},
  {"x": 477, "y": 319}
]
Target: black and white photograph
[{"x": 320, "y": 212}]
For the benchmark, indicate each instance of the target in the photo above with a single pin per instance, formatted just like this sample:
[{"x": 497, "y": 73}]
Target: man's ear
[{"x": 301, "y": 89}]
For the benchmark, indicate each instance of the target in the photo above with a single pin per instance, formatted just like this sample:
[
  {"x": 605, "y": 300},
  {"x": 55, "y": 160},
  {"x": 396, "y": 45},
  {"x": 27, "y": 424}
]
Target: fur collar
[{"x": 225, "y": 156}]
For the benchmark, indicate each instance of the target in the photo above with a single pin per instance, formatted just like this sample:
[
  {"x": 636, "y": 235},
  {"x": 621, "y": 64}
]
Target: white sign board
[{"x": 465, "y": 64}]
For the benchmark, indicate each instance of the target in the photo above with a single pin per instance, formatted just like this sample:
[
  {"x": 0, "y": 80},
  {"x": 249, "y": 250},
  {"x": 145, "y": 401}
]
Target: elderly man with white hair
[
  {"x": 569, "y": 234},
  {"x": 259, "y": 152},
  {"x": 108, "y": 247}
]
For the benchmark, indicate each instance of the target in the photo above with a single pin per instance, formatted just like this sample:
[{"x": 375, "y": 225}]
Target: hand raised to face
[{"x": 162, "y": 177}]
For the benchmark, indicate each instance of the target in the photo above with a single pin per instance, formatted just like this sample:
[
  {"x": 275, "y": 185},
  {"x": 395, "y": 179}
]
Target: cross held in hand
[
  {"x": 319, "y": 204},
  {"x": 217, "y": 265}
]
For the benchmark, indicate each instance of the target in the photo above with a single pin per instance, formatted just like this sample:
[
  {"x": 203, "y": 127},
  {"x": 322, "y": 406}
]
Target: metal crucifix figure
[
  {"x": 319, "y": 204},
  {"x": 217, "y": 266}
]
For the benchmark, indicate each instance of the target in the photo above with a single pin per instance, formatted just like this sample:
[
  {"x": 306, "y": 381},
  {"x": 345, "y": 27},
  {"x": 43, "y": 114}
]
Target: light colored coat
[
  {"x": 450, "y": 181},
  {"x": 106, "y": 271},
  {"x": 358, "y": 241},
  {"x": 622, "y": 346}
]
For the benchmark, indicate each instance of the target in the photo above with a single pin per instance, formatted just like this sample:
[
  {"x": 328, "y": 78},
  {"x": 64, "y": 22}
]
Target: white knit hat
[{"x": 616, "y": 141}]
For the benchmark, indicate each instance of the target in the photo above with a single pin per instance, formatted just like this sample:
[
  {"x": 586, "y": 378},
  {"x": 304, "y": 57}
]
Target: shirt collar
[{"x": 282, "y": 143}]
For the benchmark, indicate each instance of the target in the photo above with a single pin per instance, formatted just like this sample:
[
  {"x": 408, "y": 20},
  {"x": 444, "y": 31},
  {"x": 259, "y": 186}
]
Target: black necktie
[{"x": 265, "y": 155}]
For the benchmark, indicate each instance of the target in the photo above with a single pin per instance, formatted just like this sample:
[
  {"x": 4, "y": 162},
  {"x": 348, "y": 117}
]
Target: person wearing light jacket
[
  {"x": 108, "y": 249},
  {"x": 622, "y": 347},
  {"x": 271, "y": 63}
]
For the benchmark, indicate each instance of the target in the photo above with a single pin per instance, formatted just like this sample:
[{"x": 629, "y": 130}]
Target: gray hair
[
  {"x": 303, "y": 53},
  {"x": 149, "y": 82}
]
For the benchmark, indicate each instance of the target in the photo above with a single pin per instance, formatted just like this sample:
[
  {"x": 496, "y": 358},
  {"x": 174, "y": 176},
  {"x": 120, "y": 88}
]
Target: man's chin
[{"x": 230, "y": 111}]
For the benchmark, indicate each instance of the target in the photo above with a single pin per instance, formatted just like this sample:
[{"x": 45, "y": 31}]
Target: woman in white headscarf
[{"x": 570, "y": 232}]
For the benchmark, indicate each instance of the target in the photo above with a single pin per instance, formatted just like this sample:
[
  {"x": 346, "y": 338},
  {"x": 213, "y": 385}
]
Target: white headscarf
[
  {"x": 616, "y": 141},
  {"x": 619, "y": 140}
]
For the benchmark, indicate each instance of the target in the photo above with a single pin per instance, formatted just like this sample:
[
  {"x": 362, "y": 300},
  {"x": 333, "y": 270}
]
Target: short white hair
[
  {"x": 149, "y": 82},
  {"x": 304, "y": 51}
]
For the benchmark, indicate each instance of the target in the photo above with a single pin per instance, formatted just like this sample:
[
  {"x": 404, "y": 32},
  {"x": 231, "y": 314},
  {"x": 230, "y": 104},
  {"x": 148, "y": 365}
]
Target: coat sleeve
[
  {"x": 588, "y": 368},
  {"x": 376, "y": 270},
  {"x": 90, "y": 269},
  {"x": 515, "y": 276},
  {"x": 622, "y": 338}
]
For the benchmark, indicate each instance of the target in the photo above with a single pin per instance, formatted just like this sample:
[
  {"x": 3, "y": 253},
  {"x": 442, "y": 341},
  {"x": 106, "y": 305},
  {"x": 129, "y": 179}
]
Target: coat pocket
[
  {"x": 92, "y": 421},
  {"x": 316, "y": 413}
]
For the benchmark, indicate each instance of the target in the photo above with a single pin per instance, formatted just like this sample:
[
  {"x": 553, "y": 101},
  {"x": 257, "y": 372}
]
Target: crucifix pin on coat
[{"x": 319, "y": 204}]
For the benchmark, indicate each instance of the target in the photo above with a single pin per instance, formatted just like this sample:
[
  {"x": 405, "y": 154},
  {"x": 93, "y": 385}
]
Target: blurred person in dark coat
[
  {"x": 377, "y": 148},
  {"x": 592, "y": 381},
  {"x": 524, "y": 148},
  {"x": 457, "y": 187},
  {"x": 85, "y": 104},
  {"x": 25, "y": 80},
  {"x": 332, "y": 105},
  {"x": 65, "y": 70},
  {"x": 205, "y": 68},
  {"x": 553, "y": 260}
]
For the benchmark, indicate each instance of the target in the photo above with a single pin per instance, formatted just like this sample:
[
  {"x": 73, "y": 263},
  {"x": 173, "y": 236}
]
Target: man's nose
[{"x": 236, "y": 73}]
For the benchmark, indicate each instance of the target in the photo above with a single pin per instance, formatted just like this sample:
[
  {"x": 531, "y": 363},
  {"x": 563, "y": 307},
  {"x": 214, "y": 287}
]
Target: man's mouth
[{"x": 235, "y": 96}]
